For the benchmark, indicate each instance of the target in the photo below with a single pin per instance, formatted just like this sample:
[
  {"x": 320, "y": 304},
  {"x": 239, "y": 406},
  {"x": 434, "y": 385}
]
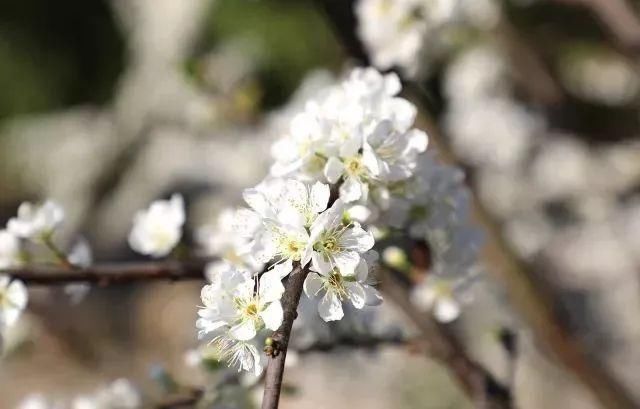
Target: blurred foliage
[
  {"x": 288, "y": 38},
  {"x": 57, "y": 54}
]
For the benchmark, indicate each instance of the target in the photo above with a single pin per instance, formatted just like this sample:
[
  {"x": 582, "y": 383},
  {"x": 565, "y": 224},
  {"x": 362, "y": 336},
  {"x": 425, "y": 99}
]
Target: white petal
[
  {"x": 446, "y": 309},
  {"x": 372, "y": 296},
  {"x": 312, "y": 285},
  {"x": 272, "y": 315},
  {"x": 346, "y": 261},
  {"x": 271, "y": 287},
  {"x": 320, "y": 264},
  {"x": 319, "y": 197},
  {"x": 257, "y": 201},
  {"x": 244, "y": 331},
  {"x": 351, "y": 190},
  {"x": 17, "y": 294},
  {"x": 356, "y": 294},
  {"x": 330, "y": 307},
  {"x": 333, "y": 169},
  {"x": 362, "y": 270},
  {"x": 283, "y": 269},
  {"x": 357, "y": 239}
]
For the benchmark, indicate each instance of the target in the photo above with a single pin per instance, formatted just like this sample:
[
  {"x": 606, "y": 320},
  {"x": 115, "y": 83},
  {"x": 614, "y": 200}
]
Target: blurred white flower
[
  {"x": 13, "y": 300},
  {"x": 157, "y": 230},
  {"x": 120, "y": 394},
  {"x": 338, "y": 287},
  {"x": 436, "y": 294},
  {"x": 36, "y": 401},
  {"x": 36, "y": 222},
  {"x": 79, "y": 256},
  {"x": 393, "y": 31},
  {"x": 10, "y": 253},
  {"x": 222, "y": 240}
]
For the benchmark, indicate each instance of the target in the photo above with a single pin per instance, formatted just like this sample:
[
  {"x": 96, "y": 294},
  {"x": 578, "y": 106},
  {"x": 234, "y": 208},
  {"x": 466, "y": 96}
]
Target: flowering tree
[{"x": 357, "y": 207}]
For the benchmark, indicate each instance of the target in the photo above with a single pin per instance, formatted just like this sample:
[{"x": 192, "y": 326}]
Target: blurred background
[{"x": 110, "y": 104}]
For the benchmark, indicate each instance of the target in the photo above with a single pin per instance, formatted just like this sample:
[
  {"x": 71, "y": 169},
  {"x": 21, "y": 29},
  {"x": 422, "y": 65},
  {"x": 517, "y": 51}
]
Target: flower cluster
[
  {"x": 354, "y": 139},
  {"x": 350, "y": 158},
  {"x": 357, "y": 134}
]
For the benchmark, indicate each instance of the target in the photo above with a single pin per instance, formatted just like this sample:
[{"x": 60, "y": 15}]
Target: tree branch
[
  {"x": 280, "y": 338},
  {"x": 442, "y": 346},
  {"x": 110, "y": 274}
]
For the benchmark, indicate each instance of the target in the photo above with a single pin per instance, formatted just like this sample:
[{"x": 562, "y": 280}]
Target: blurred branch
[
  {"x": 527, "y": 295},
  {"x": 110, "y": 274},
  {"x": 619, "y": 18},
  {"x": 531, "y": 73},
  {"x": 441, "y": 345}
]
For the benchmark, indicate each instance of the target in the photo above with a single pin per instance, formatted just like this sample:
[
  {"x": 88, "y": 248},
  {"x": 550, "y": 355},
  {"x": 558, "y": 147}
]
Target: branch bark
[
  {"x": 482, "y": 388},
  {"x": 110, "y": 274},
  {"x": 280, "y": 338}
]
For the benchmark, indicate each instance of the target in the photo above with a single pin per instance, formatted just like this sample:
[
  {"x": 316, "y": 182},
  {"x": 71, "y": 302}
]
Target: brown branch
[
  {"x": 442, "y": 346},
  {"x": 526, "y": 294},
  {"x": 280, "y": 338},
  {"x": 619, "y": 18},
  {"x": 110, "y": 274}
]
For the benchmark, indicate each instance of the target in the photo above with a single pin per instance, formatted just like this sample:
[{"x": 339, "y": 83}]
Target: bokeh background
[{"x": 109, "y": 104}]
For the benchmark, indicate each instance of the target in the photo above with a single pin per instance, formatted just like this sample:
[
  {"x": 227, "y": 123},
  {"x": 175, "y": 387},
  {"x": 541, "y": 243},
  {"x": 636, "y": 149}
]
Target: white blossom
[
  {"x": 336, "y": 245},
  {"x": 239, "y": 354},
  {"x": 357, "y": 133},
  {"x": 437, "y": 295},
  {"x": 393, "y": 31},
  {"x": 10, "y": 254},
  {"x": 157, "y": 230},
  {"x": 230, "y": 303},
  {"x": 222, "y": 240},
  {"x": 79, "y": 256},
  {"x": 120, "y": 394},
  {"x": 339, "y": 287},
  {"x": 36, "y": 222},
  {"x": 13, "y": 300}
]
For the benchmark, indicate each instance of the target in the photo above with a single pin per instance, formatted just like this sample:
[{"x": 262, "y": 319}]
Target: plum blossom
[
  {"x": 339, "y": 287},
  {"x": 436, "y": 294},
  {"x": 120, "y": 394},
  {"x": 221, "y": 239},
  {"x": 358, "y": 134},
  {"x": 230, "y": 303},
  {"x": 10, "y": 254},
  {"x": 336, "y": 245},
  {"x": 13, "y": 300},
  {"x": 157, "y": 230},
  {"x": 35, "y": 222},
  {"x": 239, "y": 354}
]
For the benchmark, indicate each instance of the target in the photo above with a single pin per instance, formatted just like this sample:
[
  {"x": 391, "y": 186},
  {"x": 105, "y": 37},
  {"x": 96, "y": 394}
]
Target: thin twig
[{"x": 110, "y": 274}]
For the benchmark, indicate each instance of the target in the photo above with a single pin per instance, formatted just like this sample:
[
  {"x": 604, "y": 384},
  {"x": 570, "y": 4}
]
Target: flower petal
[
  {"x": 333, "y": 169},
  {"x": 272, "y": 315},
  {"x": 312, "y": 285},
  {"x": 356, "y": 294},
  {"x": 244, "y": 331},
  {"x": 319, "y": 197},
  {"x": 330, "y": 307}
]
